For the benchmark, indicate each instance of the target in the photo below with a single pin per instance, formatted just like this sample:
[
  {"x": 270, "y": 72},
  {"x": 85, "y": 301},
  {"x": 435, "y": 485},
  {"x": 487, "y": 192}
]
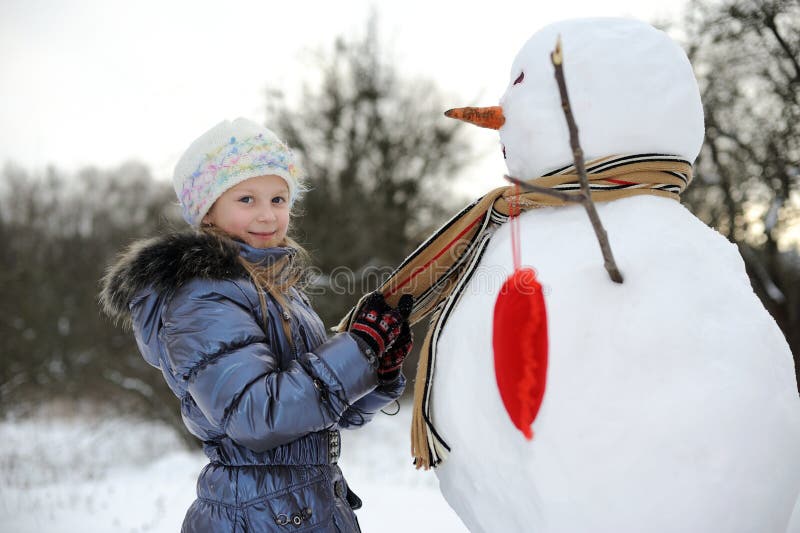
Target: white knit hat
[{"x": 226, "y": 155}]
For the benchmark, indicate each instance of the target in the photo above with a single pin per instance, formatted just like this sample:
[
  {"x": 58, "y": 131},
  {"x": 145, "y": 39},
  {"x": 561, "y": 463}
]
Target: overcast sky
[{"x": 100, "y": 82}]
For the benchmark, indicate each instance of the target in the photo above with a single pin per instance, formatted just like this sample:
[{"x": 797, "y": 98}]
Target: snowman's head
[{"x": 631, "y": 88}]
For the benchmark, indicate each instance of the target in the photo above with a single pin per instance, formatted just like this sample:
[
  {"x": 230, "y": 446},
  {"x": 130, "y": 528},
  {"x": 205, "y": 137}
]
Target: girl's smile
[{"x": 255, "y": 211}]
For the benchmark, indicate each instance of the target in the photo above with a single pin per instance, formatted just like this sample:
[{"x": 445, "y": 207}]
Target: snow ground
[{"x": 94, "y": 473}]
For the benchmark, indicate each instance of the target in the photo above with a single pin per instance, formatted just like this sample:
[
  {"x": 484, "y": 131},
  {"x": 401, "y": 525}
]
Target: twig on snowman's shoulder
[
  {"x": 563, "y": 196},
  {"x": 557, "y": 58}
]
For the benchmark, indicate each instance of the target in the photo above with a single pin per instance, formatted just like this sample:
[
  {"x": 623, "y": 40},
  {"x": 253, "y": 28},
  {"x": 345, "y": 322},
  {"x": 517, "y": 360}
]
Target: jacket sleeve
[
  {"x": 212, "y": 340},
  {"x": 365, "y": 409}
]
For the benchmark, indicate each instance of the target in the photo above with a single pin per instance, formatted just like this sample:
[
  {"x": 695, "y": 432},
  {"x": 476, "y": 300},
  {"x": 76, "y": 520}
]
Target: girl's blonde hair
[{"x": 275, "y": 279}]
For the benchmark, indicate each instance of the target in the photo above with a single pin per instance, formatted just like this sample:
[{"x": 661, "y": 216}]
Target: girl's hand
[
  {"x": 391, "y": 362},
  {"x": 378, "y": 324}
]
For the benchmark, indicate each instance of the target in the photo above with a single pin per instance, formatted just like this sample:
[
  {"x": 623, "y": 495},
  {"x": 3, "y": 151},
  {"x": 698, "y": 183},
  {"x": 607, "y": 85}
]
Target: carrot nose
[{"x": 485, "y": 117}]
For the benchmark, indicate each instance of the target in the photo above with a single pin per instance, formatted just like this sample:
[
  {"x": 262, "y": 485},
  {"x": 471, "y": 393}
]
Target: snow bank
[{"x": 98, "y": 473}]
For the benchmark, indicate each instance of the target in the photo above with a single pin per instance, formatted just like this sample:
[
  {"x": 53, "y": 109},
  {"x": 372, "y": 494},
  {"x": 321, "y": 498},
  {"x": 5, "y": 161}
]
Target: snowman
[{"x": 670, "y": 402}]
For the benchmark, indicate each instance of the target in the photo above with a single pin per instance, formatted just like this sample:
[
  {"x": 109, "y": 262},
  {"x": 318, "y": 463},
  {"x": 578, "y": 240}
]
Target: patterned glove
[
  {"x": 391, "y": 362},
  {"x": 377, "y": 324}
]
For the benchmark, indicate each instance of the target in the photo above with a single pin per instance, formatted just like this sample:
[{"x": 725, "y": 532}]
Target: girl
[{"x": 216, "y": 310}]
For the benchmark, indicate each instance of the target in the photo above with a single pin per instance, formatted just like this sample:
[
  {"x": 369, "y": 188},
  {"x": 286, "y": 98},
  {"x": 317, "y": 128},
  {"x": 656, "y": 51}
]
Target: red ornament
[{"x": 520, "y": 347}]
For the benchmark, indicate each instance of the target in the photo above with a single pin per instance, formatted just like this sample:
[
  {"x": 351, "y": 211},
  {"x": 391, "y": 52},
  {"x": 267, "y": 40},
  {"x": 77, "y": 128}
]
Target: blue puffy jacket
[{"x": 267, "y": 411}]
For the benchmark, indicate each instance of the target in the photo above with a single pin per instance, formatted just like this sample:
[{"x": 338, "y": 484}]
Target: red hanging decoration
[{"x": 520, "y": 340}]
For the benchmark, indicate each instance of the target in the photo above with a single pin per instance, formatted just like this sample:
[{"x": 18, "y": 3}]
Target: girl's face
[{"x": 255, "y": 211}]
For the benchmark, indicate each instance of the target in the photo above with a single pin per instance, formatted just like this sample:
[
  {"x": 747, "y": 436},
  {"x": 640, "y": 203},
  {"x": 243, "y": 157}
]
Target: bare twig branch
[
  {"x": 727, "y": 187},
  {"x": 563, "y": 196},
  {"x": 769, "y": 22},
  {"x": 557, "y": 58}
]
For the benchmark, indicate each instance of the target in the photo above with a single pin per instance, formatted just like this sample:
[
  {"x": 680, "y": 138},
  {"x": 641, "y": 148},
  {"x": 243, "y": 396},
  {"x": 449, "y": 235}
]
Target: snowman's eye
[{"x": 519, "y": 78}]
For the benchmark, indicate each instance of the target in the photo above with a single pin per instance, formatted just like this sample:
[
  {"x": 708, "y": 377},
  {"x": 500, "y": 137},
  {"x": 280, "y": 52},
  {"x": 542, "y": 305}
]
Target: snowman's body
[{"x": 671, "y": 403}]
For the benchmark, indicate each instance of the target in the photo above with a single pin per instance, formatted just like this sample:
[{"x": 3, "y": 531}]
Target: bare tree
[
  {"x": 379, "y": 155},
  {"x": 746, "y": 54}
]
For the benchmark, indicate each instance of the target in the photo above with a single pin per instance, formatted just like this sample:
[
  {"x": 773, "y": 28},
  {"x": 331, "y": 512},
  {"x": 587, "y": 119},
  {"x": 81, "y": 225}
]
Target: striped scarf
[{"x": 438, "y": 270}]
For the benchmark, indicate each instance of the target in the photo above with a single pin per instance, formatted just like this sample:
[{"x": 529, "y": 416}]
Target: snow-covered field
[{"x": 90, "y": 473}]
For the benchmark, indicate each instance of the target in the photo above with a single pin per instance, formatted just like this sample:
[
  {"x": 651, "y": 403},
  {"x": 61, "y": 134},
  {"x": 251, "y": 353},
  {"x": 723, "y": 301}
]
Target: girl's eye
[
  {"x": 519, "y": 78},
  {"x": 246, "y": 199},
  {"x": 278, "y": 200}
]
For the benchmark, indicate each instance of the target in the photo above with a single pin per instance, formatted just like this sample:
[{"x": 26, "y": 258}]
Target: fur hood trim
[{"x": 163, "y": 264}]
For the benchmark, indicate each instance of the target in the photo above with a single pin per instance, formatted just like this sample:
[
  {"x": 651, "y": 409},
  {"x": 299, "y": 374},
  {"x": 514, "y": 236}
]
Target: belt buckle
[{"x": 334, "y": 446}]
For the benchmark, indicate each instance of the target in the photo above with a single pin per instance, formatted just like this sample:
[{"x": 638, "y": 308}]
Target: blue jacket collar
[
  {"x": 168, "y": 261},
  {"x": 264, "y": 256}
]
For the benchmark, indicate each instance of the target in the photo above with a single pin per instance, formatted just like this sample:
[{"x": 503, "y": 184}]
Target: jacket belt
[{"x": 320, "y": 448}]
